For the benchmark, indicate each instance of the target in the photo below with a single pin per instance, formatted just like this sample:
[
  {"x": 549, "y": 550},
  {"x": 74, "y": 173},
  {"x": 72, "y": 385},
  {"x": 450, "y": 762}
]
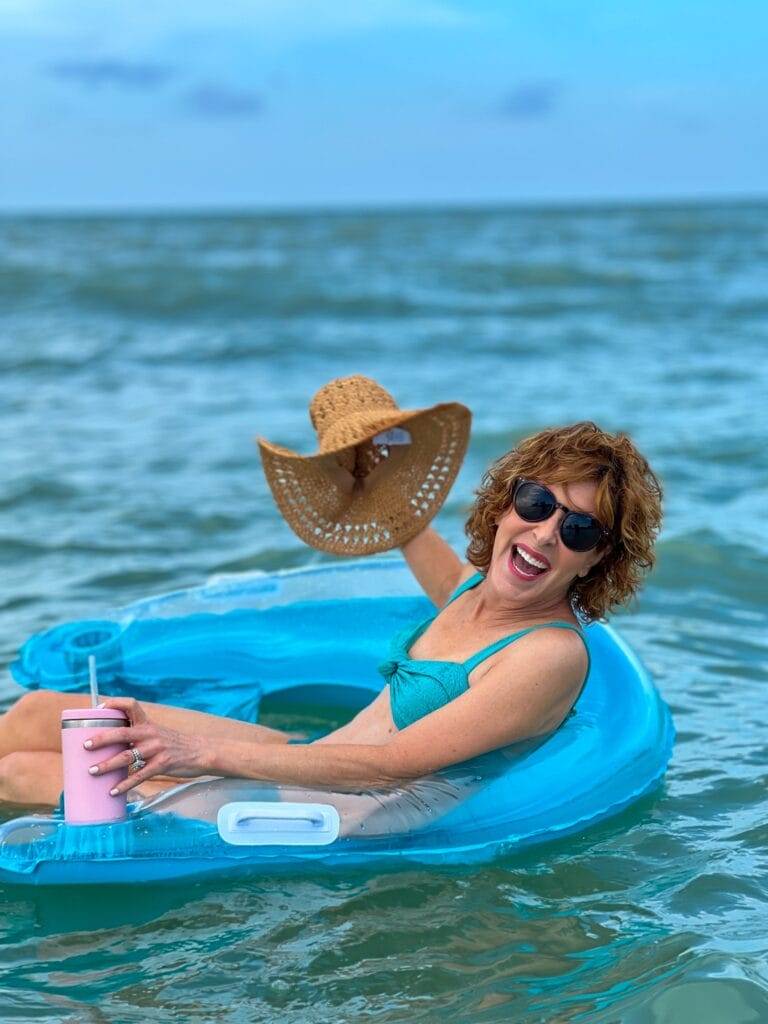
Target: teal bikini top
[{"x": 417, "y": 687}]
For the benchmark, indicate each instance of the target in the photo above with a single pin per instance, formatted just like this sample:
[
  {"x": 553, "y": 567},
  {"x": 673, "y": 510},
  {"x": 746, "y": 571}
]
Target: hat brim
[{"x": 321, "y": 503}]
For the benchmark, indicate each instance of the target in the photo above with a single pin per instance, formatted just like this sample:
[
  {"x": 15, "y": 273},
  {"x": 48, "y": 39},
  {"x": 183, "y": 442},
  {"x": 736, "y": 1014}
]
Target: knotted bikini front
[{"x": 416, "y": 687}]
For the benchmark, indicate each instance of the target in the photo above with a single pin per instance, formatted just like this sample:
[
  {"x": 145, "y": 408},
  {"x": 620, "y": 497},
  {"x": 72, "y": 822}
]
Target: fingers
[
  {"x": 140, "y": 732},
  {"x": 161, "y": 750},
  {"x": 155, "y": 763},
  {"x": 119, "y": 762},
  {"x": 134, "y": 780},
  {"x": 129, "y": 705},
  {"x": 123, "y": 760},
  {"x": 105, "y": 737}
]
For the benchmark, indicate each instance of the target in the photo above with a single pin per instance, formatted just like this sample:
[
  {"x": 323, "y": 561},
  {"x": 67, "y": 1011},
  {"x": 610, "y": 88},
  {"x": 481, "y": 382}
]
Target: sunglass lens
[
  {"x": 533, "y": 503},
  {"x": 580, "y": 532}
]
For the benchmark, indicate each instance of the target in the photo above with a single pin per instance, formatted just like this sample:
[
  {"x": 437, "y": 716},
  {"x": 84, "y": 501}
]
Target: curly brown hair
[{"x": 628, "y": 502}]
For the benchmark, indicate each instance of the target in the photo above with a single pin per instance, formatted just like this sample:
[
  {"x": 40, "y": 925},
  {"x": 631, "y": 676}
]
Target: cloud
[
  {"x": 531, "y": 100},
  {"x": 140, "y": 27},
  {"x": 218, "y": 101},
  {"x": 110, "y": 71}
]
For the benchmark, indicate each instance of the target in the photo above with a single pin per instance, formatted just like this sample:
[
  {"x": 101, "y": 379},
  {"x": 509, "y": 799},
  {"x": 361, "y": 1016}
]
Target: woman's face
[{"x": 519, "y": 543}]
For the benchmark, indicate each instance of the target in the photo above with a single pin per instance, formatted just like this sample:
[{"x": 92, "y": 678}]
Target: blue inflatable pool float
[{"x": 316, "y": 636}]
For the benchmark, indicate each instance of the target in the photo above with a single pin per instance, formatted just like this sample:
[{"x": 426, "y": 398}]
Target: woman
[{"x": 562, "y": 530}]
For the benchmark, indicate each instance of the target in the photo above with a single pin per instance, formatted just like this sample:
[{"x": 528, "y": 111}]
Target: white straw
[{"x": 93, "y": 682}]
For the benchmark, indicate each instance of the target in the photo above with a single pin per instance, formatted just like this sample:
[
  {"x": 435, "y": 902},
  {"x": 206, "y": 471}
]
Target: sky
[{"x": 118, "y": 104}]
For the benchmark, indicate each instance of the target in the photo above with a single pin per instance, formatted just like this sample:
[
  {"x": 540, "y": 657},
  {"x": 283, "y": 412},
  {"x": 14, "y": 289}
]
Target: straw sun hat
[{"x": 380, "y": 474}]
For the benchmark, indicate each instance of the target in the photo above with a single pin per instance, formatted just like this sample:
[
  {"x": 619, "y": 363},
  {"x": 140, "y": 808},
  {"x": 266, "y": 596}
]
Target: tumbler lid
[{"x": 105, "y": 714}]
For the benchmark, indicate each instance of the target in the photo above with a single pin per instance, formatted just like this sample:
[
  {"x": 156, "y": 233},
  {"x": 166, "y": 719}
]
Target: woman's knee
[
  {"x": 31, "y": 706},
  {"x": 33, "y": 722}
]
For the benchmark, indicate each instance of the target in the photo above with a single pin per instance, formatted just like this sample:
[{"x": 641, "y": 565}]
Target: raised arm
[{"x": 435, "y": 565}]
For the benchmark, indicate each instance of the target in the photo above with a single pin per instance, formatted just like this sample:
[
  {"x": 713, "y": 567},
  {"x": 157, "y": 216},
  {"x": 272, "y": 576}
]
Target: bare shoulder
[
  {"x": 556, "y": 656},
  {"x": 542, "y": 673}
]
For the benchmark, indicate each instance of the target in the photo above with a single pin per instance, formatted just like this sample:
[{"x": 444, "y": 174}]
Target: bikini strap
[
  {"x": 466, "y": 585},
  {"x": 505, "y": 641},
  {"x": 409, "y": 639}
]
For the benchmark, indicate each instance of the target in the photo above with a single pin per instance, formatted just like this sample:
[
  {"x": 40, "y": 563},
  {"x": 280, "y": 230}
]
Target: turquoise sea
[{"x": 141, "y": 354}]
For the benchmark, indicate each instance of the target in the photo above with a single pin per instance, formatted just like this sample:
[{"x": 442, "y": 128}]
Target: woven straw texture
[{"x": 355, "y": 497}]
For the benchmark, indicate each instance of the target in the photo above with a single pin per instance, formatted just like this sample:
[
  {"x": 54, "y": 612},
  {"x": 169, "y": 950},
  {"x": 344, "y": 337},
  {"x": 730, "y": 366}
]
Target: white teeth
[{"x": 530, "y": 559}]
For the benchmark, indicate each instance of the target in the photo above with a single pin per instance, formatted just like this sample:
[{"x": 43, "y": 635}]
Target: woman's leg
[
  {"x": 34, "y": 723},
  {"x": 35, "y": 778},
  {"x": 31, "y": 778}
]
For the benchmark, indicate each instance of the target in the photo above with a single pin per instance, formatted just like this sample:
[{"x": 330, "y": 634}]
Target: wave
[
  {"x": 709, "y": 561},
  {"x": 46, "y": 489}
]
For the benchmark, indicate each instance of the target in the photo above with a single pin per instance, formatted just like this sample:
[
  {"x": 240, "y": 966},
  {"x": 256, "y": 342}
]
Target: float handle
[{"x": 276, "y": 823}]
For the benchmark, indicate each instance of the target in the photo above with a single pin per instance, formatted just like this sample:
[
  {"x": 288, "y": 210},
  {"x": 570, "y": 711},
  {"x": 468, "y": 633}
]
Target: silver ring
[{"x": 137, "y": 762}]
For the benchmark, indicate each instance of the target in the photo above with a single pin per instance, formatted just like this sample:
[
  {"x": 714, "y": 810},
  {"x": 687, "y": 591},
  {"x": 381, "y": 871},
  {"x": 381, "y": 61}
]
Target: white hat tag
[{"x": 395, "y": 435}]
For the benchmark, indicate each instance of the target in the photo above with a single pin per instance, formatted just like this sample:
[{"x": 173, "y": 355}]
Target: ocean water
[{"x": 140, "y": 355}]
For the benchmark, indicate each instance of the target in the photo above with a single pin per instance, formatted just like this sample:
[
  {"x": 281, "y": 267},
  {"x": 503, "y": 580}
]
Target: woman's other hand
[{"x": 163, "y": 751}]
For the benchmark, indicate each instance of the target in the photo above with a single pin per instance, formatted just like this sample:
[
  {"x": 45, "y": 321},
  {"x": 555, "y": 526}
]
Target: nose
[{"x": 547, "y": 532}]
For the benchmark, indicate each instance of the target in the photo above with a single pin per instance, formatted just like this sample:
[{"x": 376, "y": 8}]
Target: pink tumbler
[{"x": 86, "y": 797}]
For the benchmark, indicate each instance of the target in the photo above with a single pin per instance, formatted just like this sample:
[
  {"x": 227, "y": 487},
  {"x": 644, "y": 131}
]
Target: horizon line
[{"x": 331, "y": 207}]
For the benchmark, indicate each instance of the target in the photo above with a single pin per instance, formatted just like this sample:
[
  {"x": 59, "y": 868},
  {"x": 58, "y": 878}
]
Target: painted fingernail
[
  {"x": 93, "y": 770},
  {"x": 101, "y": 705},
  {"x": 113, "y": 792},
  {"x": 88, "y": 744}
]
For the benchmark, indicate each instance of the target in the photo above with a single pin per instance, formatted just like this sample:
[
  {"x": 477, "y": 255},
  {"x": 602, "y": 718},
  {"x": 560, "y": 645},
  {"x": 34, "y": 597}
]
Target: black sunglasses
[{"x": 534, "y": 503}]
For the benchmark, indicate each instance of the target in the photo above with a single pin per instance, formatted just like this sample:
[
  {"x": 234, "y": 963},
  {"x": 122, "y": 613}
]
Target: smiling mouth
[{"x": 525, "y": 564}]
